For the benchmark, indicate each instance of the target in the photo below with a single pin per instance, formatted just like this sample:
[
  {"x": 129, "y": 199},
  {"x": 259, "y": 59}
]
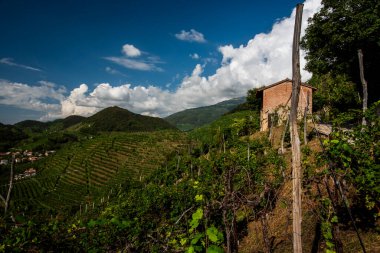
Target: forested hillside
[
  {"x": 192, "y": 118},
  {"x": 119, "y": 119}
]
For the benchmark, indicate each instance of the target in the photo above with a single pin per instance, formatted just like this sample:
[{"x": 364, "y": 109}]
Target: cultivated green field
[{"x": 84, "y": 172}]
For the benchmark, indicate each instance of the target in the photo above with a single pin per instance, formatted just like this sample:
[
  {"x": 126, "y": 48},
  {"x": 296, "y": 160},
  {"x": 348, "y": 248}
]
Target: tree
[
  {"x": 334, "y": 94},
  {"x": 252, "y": 102},
  {"x": 334, "y": 36}
]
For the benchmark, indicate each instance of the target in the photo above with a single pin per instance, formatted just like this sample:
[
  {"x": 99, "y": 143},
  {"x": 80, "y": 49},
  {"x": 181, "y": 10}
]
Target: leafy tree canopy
[
  {"x": 334, "y": 36},
  {"x": 333, "y": 95}
]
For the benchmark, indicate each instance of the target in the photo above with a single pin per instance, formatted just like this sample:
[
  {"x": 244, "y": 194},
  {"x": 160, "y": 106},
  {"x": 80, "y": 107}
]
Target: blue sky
[{"x": 59, "y": 58}]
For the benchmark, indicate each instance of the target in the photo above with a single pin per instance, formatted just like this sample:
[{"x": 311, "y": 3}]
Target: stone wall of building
[{"x": 276, "y": 101}]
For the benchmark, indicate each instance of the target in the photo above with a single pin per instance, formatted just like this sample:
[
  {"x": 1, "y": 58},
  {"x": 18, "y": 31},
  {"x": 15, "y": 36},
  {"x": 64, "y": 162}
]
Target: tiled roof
[{"x": 283, "y": 81}]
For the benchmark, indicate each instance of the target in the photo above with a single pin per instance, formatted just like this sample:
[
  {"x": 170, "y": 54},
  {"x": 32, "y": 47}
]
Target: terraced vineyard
[{"x": 85, "y": 171}]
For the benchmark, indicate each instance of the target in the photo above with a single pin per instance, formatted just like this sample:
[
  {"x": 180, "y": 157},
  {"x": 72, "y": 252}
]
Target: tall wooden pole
[
  {"x": 364, "y": 84},
  {"x": 294, "y": 137}
]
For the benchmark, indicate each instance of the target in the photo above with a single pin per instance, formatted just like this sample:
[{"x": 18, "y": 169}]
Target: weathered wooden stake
[
  {"x": 294, "y": 137},
  {"x": 283, "y": 135},
  {"x": 305, "y": 120},
  {"x": 270, "y": 119},
  {"x": 364, "y": 84},
  {"x": 248, "y": 151},
  {"x": 6, "y": 200},
  {"x": 264, "y": 225}
]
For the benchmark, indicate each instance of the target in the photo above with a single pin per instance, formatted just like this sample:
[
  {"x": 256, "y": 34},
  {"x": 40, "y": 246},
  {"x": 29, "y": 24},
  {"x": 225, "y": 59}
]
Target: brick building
[{"x": 275, "y": 102}]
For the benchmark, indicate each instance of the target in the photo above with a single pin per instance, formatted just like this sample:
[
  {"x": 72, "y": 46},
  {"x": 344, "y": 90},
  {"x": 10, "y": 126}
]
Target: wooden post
[
  {"x": 305, "y": 120},
  {"x": 270, "y": 121},
  {"x": 248, "y": 151},
  {"x": 7, "y": 198},
  {"x": 283, "y": 135},
  {"x": 264, "y": 225},
  {"x": 294, "y": 137},
  {"x": 224, "y": 144},
  {"x": 364, "y": 84}
]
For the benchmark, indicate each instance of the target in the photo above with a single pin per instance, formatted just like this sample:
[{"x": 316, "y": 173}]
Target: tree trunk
[
  {"x": 294, "y": 137},
  {"x": 364, "y": 83}
]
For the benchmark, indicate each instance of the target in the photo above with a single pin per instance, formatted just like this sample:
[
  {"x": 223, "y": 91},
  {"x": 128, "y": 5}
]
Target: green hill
[
  {"x": 9, "y": 136},
  {"x": 196, "y": 117},
  {"x": 66, "y": 122},
  {"x": 109, "y": 119},
  {"x": 119, "y": 119},
  {"x": 32, "y": 125},
  {"x": 236, "y": 123},
  {"x": 35, "y": 126}
]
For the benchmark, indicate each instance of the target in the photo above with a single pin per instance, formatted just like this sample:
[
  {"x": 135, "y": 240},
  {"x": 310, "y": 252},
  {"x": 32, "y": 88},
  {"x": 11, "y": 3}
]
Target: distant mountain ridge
[
  {"x": 119, "y": 119},
  {"x": 191, "y": 118},
  {"x": 58, "y": 124},
  {"x": 109, "y": 119}
]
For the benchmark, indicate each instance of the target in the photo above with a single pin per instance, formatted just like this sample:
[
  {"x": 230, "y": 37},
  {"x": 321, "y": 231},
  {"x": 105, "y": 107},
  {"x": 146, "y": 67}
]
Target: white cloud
[
  {"x": 191, "y": 35},
  {"x": 44, "y": 97},
  {"x": 265, "y": 59},
  {"x": 134, "y": 64},
  {"x": 194, "y": 56},
  {"x": 131, "y": 50},
  {"x": 112, "y": 71},
  {"x": 10, "y": 62},
  {"x": 77, "y": 103},
  {"x": 148, "y": 63}
]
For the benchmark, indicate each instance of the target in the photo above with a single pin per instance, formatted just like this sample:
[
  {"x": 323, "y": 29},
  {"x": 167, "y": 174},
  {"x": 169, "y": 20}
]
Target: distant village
[{"x": 22, "y": 157}]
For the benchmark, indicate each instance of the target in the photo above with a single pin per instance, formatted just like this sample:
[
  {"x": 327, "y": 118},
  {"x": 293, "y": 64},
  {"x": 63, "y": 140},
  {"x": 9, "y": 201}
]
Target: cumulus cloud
[
  {"x": 10, "y": 62},
  {"x": 148, "y": 101},
  {"x": 192, "y": 36},
  {"x": 45, "y": 96},
  {"x": 131, "y": 50},
  {"x": 194, "y": 56},
  {"x": 265, "y": 59}
]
